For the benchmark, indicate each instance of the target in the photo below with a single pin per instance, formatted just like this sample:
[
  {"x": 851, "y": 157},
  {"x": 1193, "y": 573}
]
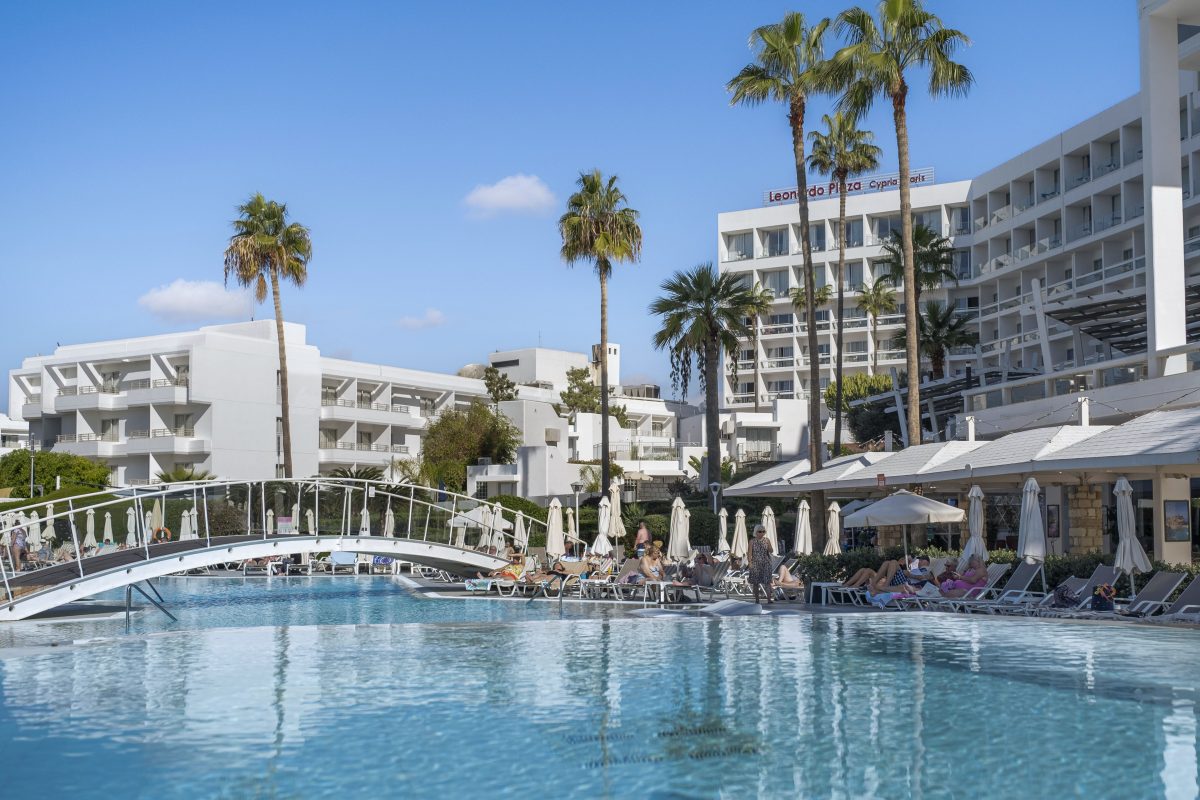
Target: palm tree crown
[
  {"x": 939, "y": 329},
  {"x": 598, "y": 226},
  {"x": 879, "y": 54},
  {"x": 821, "y": 296},
  {"x": 703, "y": 314},
  {"x": 699, "y": 310},
  {"x": 789, "y": 54},
  {"x": 264, "y": 242},
  {"x": 266, "y": 249},
  {"x": 933, "y": 255},
  {"x": 842, "y": 149}
]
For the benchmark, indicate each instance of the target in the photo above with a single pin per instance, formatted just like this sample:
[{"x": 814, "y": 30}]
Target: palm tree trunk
[
  {"x": 841, "y": 302},
  {"x": 912, "y": 356},
  {"x": 815, "y": 445},
  {"x": 712, "y": 416},
  {"x": 285, "y": 416},
  {"x": 874, "y": 344},
  {"x": 757, "y": 328},
  {"x": 604, "y": 463}
]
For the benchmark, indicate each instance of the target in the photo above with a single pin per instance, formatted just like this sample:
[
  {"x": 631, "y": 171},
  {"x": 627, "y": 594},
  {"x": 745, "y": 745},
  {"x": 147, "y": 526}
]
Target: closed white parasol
[
  {"x": 804, "y": 544},
  {"x": 741, "y": 542},
  {"x": 833, "y": 530}
]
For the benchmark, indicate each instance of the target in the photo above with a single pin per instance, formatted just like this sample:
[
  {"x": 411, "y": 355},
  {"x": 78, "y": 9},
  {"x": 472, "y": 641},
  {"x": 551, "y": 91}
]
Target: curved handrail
[{"x": 416, "y": 497}]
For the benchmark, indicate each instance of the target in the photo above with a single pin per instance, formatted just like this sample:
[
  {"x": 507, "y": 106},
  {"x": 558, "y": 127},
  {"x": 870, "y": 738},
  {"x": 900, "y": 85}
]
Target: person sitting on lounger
[
  {"x": 651, "y": 566},
  {"x": 785, "y": 579},
  {"x": 866, "y": 576},
  {"x": 975, "y": 576}
]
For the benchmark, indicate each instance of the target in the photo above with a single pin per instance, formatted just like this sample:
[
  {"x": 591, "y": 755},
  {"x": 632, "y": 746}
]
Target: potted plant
[{"x": 1103, "y": 596}]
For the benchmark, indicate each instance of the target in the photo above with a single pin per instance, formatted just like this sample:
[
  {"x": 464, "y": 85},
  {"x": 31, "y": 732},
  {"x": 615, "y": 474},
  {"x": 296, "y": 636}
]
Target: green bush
[{"x": 515, "y": 504}]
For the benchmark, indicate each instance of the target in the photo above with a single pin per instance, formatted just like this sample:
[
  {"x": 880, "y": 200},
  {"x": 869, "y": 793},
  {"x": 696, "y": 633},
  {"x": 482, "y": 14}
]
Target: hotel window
[
  {"x": 741, "y": 246},
  {"x": 788, "y": 385},
  {"x": 328, "y": 438},
  {"x": 775, "y": 243},
  {"x": 960, "y": 220},
  {"x": 745, "y": 387},
  {"x": 856, "y": 347},
  {"x": 820, "y": 275},
  {"x": 930, "y": 219},
  {"x": 777, "y": 282},
  {"x": 853, "y": 277},
  {"x": 779, "y": 319},
  {"x": 854, "y": 232},
  {"x": 884, "y": 227},
  {"x": 183, "y": 422},
  {"x": 962, "y": 264},
  {"x": 823, "y": 315},
  {"x": 816, "y": 236},
  {"x": 786, "y": 351},
  {"x": 746, "y": 355},
  {"x": 656, "y": 429},
  {"x": 824, "y": 384}
]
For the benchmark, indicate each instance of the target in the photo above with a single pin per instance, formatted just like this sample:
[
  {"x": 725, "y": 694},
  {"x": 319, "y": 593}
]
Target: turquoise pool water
[{"x": 343, "y": 697}]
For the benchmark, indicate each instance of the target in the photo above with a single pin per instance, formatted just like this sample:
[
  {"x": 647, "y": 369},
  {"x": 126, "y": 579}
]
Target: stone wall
[{"x": 1085, "y": 519}]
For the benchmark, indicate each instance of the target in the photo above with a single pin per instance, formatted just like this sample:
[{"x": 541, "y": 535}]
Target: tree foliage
[
  {"x": 49, "y": 465},
  {"x": 460, "y": 437},
  {"x": 582, "y": 395},
  {"x": 499, "y": 386},
  {"x": 856, "y": 387},
  {"x": 940, "y": 328}
]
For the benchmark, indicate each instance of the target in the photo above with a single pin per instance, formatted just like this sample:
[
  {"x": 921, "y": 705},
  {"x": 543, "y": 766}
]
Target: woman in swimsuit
[{"x": 973, "y": 577}]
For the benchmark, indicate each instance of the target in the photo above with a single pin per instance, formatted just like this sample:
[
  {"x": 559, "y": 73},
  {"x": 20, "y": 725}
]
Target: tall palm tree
[
  {"x": 600, "y": 227},
  {"x": 933, "y": 255},
  {"x": 266, "y": 249},
  {"x": 788, "y": 68},
  {"x": 876, "y": 300},
  {"x": 703, "y": 315},
  {"x": 842, "y": 150},
  {"x": 878, "y": 56},
  {"x": 760, "y": 303},
  {"x": 939, "y": 328},
  {"x": 821, "y": 296}
]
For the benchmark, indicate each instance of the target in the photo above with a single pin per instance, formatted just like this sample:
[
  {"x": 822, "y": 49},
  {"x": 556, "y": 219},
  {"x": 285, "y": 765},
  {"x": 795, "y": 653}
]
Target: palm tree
[
  {"x": 788, "y": 67},
  {"x": 933, "y": 254},
  {"x": 938, "y": 329},
  {"x": 874, "y": 63},
  {"x": 266, "y": 249},
  {"x": 760, "y": 303},
  {"x": 599, "y": 227},
  {"x": 367, "y": 473},
  {"x": 876, "y": 300},
  {"x": 822, "y": 295},
  {"x": 841, "y": 151},
  {"x": 184, "y": 475},
  {"x": 702, "y": 314}
]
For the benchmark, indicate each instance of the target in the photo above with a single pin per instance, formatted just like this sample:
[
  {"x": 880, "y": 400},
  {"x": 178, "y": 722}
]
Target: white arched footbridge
[{"x": 438, "y": 529}]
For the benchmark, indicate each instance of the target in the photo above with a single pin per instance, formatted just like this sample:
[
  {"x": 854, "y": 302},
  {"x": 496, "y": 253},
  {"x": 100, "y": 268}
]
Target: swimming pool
[{"x": 520, "y": 701}]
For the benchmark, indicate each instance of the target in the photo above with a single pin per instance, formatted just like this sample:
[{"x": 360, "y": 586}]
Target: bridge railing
[{"x": 75, "y": 529}]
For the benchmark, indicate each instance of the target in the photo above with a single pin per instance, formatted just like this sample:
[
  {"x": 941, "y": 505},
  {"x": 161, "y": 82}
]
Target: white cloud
[
  {"x": 516, "y": 194},
  {"x": 432, "y": 318},
  {"x": 197, "y": 301}
]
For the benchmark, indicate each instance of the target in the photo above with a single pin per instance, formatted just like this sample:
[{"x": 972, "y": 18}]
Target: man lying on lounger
[{"x": 893, "y": 573}]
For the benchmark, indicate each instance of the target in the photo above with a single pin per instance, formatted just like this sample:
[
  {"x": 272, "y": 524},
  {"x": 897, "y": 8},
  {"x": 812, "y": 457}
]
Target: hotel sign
[{"x": 866, "y": 184}]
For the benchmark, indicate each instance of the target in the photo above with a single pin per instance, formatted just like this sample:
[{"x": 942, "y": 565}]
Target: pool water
[{"x": 346, "y": 695}]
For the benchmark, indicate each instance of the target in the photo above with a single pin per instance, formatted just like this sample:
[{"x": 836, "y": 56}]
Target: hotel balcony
[
  {"x": 90, "y": 398},
  {"x": 408, "y": 416},
  {"x": 178, "y": 441},
  {"x": 94, "y": 445},
  {"x": 355, "y": 453},
  {"x": 32, "y": 407},
  {"x": 161, "y": 391}
]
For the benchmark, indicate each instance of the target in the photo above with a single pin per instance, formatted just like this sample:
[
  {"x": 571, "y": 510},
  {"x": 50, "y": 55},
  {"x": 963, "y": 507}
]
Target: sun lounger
[
  {"x": 1152, "y": 597},
  {"x": 1101, "y": 575},
  {"x": 1014, "y": 591},
  {"x": 938, "y": 602},
  {"x": 1185, "y": 608}
]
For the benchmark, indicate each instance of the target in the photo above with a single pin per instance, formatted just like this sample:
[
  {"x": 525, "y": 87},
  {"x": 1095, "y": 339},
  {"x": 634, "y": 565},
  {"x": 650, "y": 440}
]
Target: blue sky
[{"x": 132, "y": 130}]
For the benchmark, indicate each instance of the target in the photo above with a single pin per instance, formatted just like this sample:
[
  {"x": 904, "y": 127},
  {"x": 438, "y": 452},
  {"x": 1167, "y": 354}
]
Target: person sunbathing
[
  {"x": 785, "y": 579},
  {"x": 867, "y": 576},
  {"x": 509, "y": 572},
  {"x": 975, "y": 576},
  {"x": 882, "y": 591}
]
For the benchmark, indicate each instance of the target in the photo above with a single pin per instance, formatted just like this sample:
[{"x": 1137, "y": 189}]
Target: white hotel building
[
  {"x": 209, "y": 399},
  {"x": 1078, "y": 262}
]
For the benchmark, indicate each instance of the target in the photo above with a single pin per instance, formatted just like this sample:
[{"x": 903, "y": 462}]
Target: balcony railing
[
  {"x": 1000, "y": 214},
  {"x": 1044, "y": 196},
  {"x": 779, "y": 363},
  {"x": 747, "y": 397},
  {"x": 364, "y": 447},
  {"x": 855, "y": 358},
  {"x": 1078, "y": 180},
  {"x": 396, "y": 408},
  {"x": 1105, "y": 168},
  {"x": 1103, "y": 223},
  {"x": 159, "y": 383},
  {"x": 140, "y": 383},
  {"x": 159, "y": 433},
  {"x": 67, "y": 438},
  {"x": 775, "y": 330},
  {"x": 33, "y": 399}
]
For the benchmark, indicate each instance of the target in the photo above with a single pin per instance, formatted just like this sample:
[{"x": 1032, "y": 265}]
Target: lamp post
[
  {"x": 715, "y": 488},
  {"x": 576, "y": 487}
]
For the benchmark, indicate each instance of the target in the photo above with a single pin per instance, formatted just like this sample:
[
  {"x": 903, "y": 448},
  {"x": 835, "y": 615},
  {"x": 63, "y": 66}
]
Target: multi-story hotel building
[
  {"x": 1078, "y": 261},
  {"x": 209, "y": 399}
]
